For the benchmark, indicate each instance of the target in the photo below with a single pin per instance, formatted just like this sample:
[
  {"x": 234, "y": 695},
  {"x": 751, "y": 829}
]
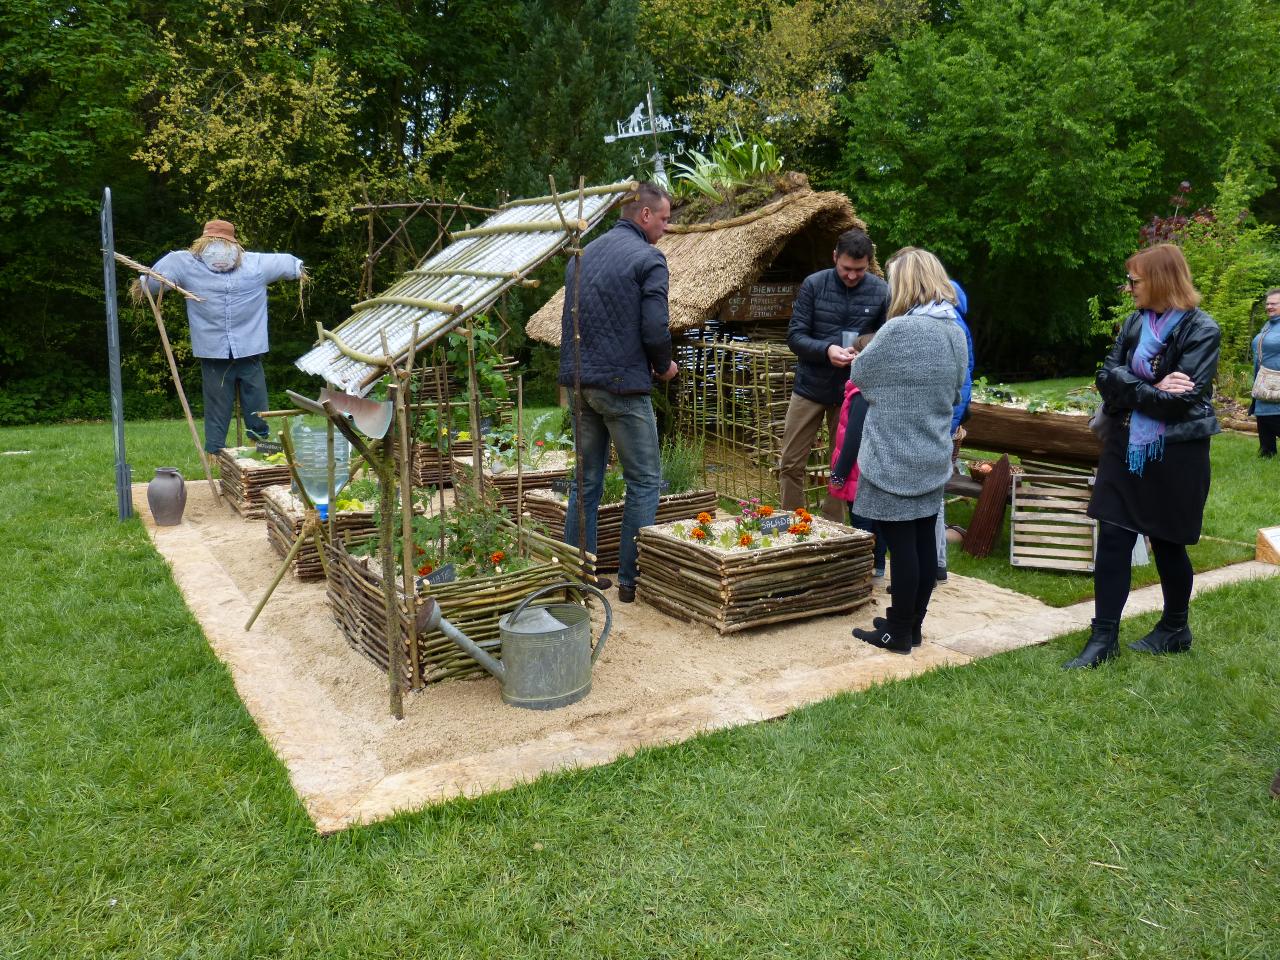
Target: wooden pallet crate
[
  {"x": 1049, "y": 528},
  {"x": 551, "y": 510}
]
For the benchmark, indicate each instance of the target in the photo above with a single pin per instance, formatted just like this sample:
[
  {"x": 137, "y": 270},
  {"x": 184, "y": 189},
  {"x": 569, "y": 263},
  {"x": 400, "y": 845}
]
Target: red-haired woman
[{"x": 1153, "y": 475}]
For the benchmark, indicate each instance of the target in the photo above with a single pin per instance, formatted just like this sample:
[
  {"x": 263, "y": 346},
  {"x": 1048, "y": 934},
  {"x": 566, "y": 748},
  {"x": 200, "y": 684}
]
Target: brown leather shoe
[{"x": 626, "y": 594}]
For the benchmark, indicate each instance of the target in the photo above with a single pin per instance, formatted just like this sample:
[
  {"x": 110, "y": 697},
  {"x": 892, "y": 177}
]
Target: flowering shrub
[{"x": 751, "y": 512}]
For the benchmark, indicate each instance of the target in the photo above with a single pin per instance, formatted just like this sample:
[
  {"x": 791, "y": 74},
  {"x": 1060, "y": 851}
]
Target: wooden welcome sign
[{"x": 760, "y": 301}]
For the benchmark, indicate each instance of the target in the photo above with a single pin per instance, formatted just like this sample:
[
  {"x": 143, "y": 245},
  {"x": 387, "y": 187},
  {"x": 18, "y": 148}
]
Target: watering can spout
[{"x": 429, "y": 618}]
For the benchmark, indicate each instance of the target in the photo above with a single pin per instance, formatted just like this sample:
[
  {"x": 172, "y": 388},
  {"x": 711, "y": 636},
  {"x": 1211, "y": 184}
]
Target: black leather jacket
[{"x": 1192, "y": 348}]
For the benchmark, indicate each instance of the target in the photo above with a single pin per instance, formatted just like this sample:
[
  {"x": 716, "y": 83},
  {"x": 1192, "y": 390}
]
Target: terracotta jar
[{"x": 167, "y": 496}]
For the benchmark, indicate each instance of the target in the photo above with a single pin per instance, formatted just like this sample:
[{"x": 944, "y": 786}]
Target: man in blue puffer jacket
[
  {"x": 624, "y": 346},
  {"x": 844, "y": 299}
]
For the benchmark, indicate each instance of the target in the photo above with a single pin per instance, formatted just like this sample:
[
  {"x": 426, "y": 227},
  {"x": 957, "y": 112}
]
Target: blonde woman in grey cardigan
[{"x": 911, "y": 375}]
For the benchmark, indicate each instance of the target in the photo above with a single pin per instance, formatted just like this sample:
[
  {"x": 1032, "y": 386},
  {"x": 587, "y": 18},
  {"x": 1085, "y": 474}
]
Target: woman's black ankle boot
[
  {"x": 1171, "y": 635},
  {"x": 917, "y": 630},
  {"x": 888, "y": 633},
  {"x": 1103, "y": 644}
]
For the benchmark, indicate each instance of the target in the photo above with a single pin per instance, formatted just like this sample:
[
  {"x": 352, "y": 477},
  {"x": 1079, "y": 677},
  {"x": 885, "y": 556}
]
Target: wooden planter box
[
  {"x": 473, "y": 606},
  {"x": 1043, "y": 435},
  {"x": 285, "y": 514},
  {"x": 738, "y": 589},
  {"x": 429, "y": 467},
  {"x": 243, "y": 481},
  {"x": 555, "y": 466},
  {"x": 551, "y": 510}
]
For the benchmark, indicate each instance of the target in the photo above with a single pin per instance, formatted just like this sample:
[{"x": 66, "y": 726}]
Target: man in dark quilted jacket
[
  {"x": 624, "y": 346},
  {"x": 843, "y": 299}
]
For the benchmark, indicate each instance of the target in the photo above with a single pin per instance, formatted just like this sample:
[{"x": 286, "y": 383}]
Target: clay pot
[{"x": 167, "y": 496}]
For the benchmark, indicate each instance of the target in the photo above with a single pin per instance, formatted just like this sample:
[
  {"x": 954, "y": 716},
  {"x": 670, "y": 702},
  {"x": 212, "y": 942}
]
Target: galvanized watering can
[{"x": 546, "y": 651}]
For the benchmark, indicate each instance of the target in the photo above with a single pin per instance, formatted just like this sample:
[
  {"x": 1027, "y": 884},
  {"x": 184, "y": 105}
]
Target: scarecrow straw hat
[{"x": 220, "y": 229}]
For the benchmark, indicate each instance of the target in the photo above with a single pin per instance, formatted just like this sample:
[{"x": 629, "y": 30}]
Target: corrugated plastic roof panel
[{"x": 463, "y": 279}]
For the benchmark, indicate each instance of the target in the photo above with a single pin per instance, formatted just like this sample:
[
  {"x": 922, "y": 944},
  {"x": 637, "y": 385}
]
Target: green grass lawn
[{"x": 1000, "y": 810}]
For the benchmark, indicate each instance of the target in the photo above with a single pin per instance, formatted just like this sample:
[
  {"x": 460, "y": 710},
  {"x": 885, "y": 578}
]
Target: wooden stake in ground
[{"x": 182, "y": 395}]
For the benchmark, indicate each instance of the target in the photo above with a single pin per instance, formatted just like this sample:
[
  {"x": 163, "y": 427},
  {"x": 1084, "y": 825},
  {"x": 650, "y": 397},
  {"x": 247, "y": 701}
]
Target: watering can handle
[{"x": 579, "y": 587}]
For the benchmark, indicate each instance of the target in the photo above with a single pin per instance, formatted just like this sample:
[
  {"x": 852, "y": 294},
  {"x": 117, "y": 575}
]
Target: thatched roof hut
[{"x": 785, "y": 240}]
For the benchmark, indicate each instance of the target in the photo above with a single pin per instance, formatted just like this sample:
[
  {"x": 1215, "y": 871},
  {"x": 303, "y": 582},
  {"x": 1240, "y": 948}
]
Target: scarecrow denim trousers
[
  {"x": 628, "y": 422},
  {"x": 220, "y": 378}
]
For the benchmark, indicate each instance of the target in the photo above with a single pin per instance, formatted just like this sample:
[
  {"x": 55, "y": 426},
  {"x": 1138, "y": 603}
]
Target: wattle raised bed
[
  {"x": 243, "y": 480},
  {"x": 554, "y": 466},
  {"x": 474, "y": 606},
  {"x": 551, "y": 510},
  {"x": 739, "y": 588},
  {"x": 285, "y": 515}
]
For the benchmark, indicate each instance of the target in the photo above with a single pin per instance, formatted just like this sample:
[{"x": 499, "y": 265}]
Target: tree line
[{"x": 1025, "y": 141}]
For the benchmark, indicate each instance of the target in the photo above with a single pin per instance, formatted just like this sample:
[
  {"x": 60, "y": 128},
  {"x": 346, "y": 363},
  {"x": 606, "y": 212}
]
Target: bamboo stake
[
  {"x": 436, "y": 305},
  {"x": 476, "y": 461},
  {"x": 308, "y": 528},
  {"x": 386, "y": 477},
  {"x": 406, "y": 512},
  {"x": 627, "y": 186},
  {"x": 182, "y": 394},
  {"x": 520, "y": 443},
  {"x": 527, "y": 226}
]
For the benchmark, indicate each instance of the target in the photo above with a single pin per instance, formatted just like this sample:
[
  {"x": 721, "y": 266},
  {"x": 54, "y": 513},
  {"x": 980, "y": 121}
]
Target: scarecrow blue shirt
[{"x": 231, "y": 322}]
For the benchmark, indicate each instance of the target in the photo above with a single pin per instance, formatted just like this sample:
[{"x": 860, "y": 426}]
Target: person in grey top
[
  {"x": 229, "y": 323},
  {"x": 911, "y": 375}
]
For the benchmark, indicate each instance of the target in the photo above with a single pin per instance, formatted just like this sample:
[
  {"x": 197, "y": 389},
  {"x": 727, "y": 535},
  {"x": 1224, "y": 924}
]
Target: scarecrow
[{"x": 228, "y": 322}]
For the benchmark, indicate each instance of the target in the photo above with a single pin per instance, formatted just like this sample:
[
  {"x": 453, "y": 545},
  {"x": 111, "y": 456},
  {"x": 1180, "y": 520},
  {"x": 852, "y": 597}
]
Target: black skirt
[{"x": 1166, "y": 502}]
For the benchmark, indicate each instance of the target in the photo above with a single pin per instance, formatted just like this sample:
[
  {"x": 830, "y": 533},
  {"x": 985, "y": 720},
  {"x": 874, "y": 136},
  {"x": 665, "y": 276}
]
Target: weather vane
[{"x": 651, "y": 125}]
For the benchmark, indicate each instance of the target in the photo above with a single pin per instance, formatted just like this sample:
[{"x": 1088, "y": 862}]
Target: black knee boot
[
  {"x": 1171, "y": 635},
  {"x": 1103, "y": 644}
]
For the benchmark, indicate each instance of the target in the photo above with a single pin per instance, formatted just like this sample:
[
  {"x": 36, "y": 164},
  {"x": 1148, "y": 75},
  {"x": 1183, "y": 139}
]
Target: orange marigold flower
[
  {"x": 698, "y": 533},
  {"x": 425, "y": 569},
  {"x": 799, "y": 529},
  {"x": 497, "y": 557},
  {"x": 803, "y": 515},
  {"x": 765, "y": 510},
  {"x": 704, "y": 517},
  {"x": 744, "y": 540}
]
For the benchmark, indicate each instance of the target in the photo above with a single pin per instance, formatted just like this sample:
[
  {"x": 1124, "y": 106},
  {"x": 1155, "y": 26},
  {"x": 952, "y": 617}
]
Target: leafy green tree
[
  {"x": 1022, "y": 140},
  {"x": 575, "y": 68},
  {"x": 775, "y": 68}
]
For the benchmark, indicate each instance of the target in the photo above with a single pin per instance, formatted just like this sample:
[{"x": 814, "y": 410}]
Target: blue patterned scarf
[{"x": 1146, "y": 434}]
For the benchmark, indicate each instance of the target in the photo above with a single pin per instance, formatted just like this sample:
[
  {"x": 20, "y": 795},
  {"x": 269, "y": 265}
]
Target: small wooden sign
[
  {"x": 1269, "y": 545},
  {"x": 778, "y": 523},
  {"x": 446, "y": 574},
  {"x": 760, "y": 301}
]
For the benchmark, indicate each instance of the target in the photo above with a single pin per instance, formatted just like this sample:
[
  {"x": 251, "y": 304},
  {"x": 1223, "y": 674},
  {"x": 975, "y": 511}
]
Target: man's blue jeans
[
  {"x": 627, "y": 420},
  {"x": 220, "y": 378}
]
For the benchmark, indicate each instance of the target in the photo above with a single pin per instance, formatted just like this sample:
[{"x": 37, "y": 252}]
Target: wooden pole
[
  {"x": 406, "y": 512},
  {"x": 520, "y": 447},
  {"x": 182, "y": 394},
  {"x": 385, "y": 467},
  {"x": 474, "y": 387}
]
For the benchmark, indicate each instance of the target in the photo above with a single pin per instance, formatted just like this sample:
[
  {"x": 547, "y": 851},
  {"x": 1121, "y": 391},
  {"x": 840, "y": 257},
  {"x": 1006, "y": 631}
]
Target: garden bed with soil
[
  {"x": 549, "y": 467},
  {"x": 285, "y": 514},
  {"x": 734, "y": 578}
]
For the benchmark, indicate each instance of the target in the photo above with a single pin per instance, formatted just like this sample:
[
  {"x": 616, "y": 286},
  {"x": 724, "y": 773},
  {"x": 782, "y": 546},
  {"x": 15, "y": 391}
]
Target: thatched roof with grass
[{"x": 709, "y": 262}]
